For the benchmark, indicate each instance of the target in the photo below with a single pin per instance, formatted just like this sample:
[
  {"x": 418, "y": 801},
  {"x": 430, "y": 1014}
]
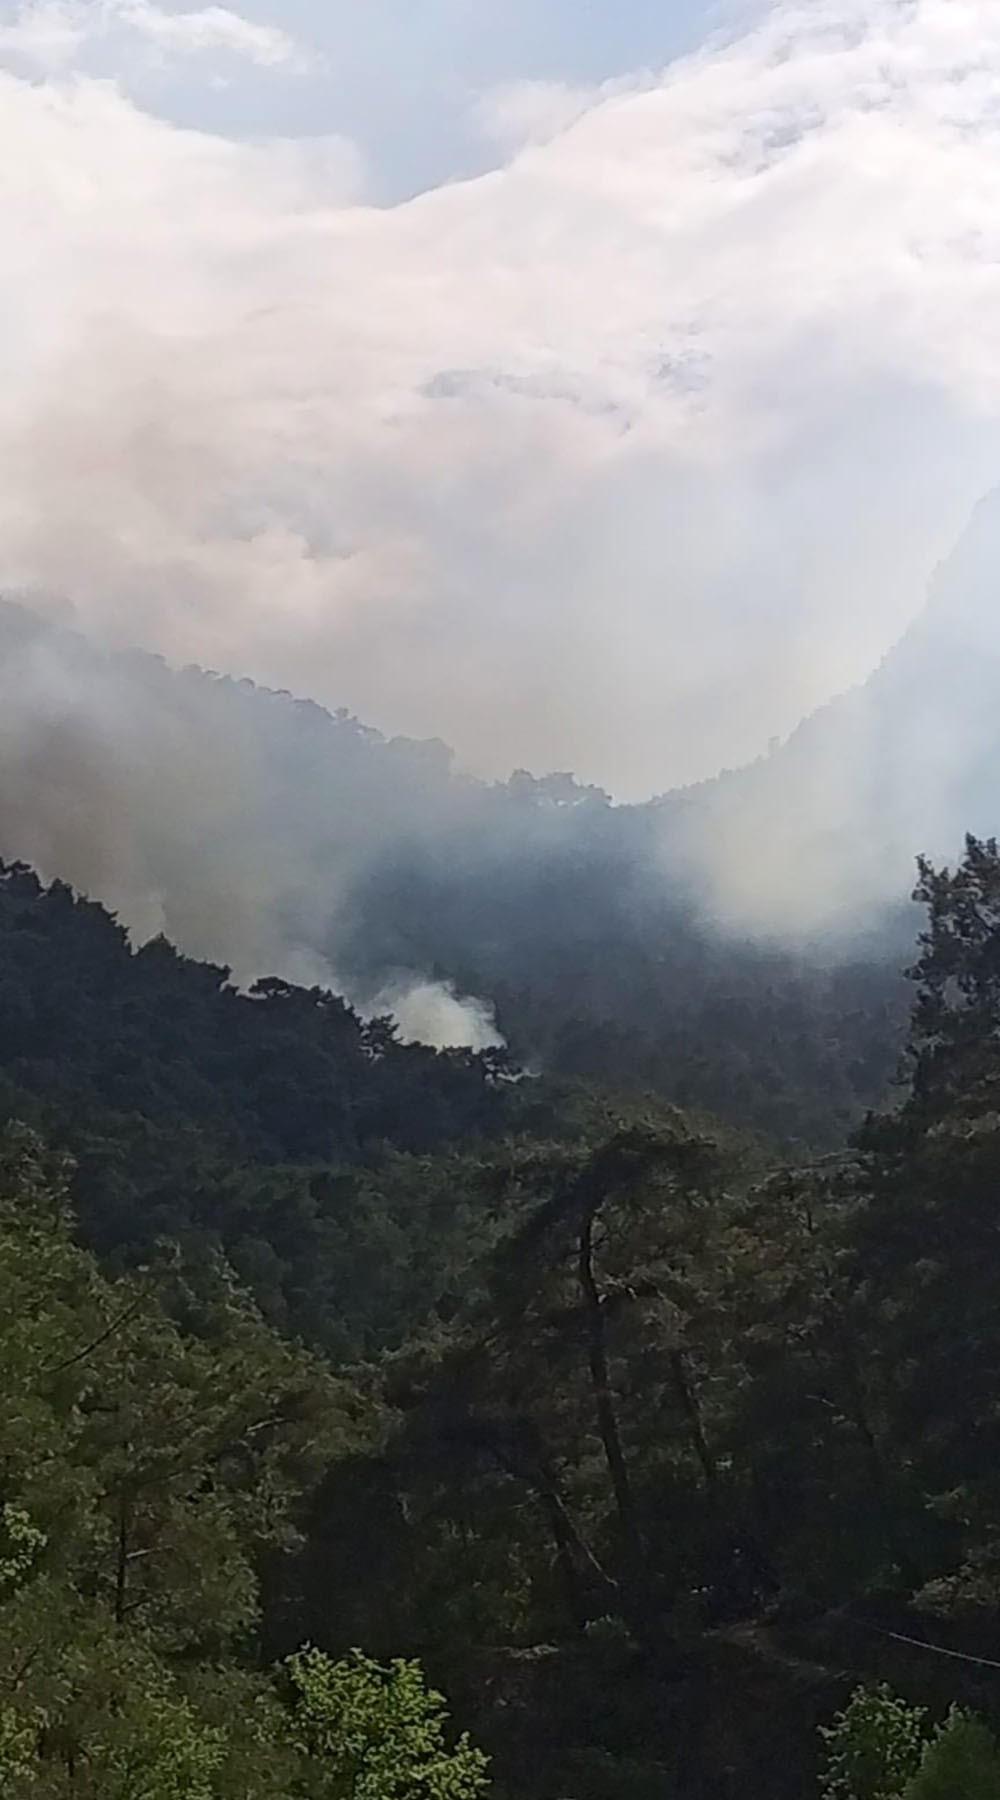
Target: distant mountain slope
[
  {"x": 686, "y": 945},
  {"x": 222, "y": 813},
  {"x": 820, "y": 836},
  {"x": 264, "y": 832},
  {"x": 251, "y": 826}
]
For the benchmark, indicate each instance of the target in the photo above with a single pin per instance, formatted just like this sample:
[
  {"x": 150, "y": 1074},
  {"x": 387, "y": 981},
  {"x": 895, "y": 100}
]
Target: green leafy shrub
[
  {"x": 873, "y": 1747},
  {"x": 960, "y": 1763}
]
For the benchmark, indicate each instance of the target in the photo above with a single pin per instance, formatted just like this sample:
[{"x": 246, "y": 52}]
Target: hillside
[
  {"x": 638, "y": 1439},
  {"x": 735, "y": 945},
  {"x": 500, "y": 900},
  {"x": 253, "y": 1123},
  {"x": 816, "y": 841},
  {"x": 265, "y": 833}
]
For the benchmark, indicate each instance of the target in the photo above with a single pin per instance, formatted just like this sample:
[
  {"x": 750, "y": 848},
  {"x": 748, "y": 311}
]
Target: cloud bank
[
  {"x": 620, "y": 458},
  {"x": 53, "y": 34}
]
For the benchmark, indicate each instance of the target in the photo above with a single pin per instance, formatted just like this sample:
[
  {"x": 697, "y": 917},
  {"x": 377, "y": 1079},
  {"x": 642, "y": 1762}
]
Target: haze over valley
[
  {"x": 258, "y": 829},
  {"x": 499, "y": 900}
]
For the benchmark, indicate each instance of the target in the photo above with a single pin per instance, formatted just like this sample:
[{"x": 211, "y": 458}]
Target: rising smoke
[
  {"x": 230, "y": 819},
  {"x": 601, "y": 461},
  {"x": 262, "y": 831}
]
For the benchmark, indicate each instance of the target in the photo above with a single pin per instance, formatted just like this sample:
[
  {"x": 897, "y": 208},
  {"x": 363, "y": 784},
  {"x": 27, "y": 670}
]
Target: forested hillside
[
  {"x": 267, "y": 833},
  {"x": 257, "y": 1122},
  {"x": 734, "y": 945},
  {"x": 500, "y": 900},
  {"x": 645, "y": 1442},
  {"x": 157, "y": 1443}
]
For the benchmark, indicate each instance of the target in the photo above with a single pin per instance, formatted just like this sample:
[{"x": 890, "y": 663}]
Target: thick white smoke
[
  {"x": 618, "y": 459},
  {"x": 431, "y": 1012},
  {"x": 232, "y": 820}
]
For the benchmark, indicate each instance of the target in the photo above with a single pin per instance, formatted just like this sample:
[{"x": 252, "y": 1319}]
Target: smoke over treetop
[
  {"x": 263, "y": 831},
  {"x": 230, "y": 818},
  {"x": 269, "y": 833}
]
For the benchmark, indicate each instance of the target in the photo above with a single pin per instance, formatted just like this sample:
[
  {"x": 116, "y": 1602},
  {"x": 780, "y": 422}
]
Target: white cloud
[
  {"x": 516, "y": 113},
  {"x": 210, "y": 28},
  {"x": 46, "y": 35},
  {"x": 619, "y": 457},
  {"x": 51, "y": 34}
]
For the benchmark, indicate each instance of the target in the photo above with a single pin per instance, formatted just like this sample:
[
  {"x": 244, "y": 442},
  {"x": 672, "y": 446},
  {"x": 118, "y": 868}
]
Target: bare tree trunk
[
  {"x": 634, "y": 1555},
  {"x": 572, "y": 1553},
  {"x": 576, "y": 1604},
  {"x": 692, "y": 1413},
  {"x": 878, "y": 1475},
  {"x": 121, "y": 1558}
]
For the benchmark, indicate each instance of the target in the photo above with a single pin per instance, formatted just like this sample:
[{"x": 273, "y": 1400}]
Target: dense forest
[{"x": 341, "y": 1371}]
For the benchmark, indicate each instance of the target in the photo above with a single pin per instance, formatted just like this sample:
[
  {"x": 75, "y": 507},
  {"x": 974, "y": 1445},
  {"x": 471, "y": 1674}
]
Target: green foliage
[
  {"x": 118, "y": 1714},
  {"x": 154, "y": 1473},
  {"x": 873, "y": 1747},
  {"x": 629, "y": 1425},
  {"x": 19, "y": 1732},
  {"x": 21, "y": 1543},
  {"x": 219, "y": 1118},
  {"x": 876, "y": 1749},
  {"x": 961, "y": 1762},
  {"x": 378, "y": 1733}
]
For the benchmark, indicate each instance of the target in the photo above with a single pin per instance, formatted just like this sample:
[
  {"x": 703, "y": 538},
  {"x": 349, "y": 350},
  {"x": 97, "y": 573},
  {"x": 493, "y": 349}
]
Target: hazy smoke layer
[
  {"x": 232, "y": 819},
  {"x": 262, "y": 831},
  {"x": 621, "y": 458},
  {"x": 820, "y": 837}
]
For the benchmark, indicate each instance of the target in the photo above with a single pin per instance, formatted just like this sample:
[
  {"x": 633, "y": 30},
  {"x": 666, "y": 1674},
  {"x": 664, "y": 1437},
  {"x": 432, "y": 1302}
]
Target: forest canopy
[{"x": 339, "y": 1371}]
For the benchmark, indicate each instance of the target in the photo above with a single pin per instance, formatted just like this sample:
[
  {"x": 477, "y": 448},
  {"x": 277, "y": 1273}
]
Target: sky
[
  {"x": 412, "y": 85},
  {"x": 593, "y": 387}
]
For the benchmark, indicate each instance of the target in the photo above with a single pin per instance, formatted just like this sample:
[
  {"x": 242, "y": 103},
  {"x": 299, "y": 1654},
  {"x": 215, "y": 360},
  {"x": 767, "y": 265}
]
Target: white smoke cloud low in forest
[
  {"x": 236, "y": 822},
  {"x": 431, "y": 1012}
]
